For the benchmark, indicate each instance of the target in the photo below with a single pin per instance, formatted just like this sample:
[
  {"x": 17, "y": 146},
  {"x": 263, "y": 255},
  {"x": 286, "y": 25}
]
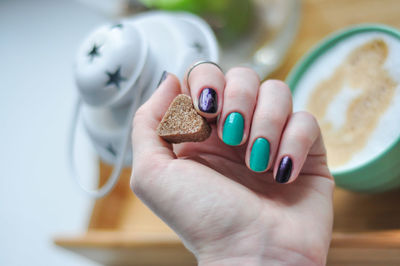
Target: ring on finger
[{"x": 197, "y": 64}]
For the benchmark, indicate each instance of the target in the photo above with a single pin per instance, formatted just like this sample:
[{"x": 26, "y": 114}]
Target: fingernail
[
  {"x": 284, "y": 170},
  {"x": 208, "y": 101},
  {"x": 259, "y": 156},
  {"x": 232, "y": 133},
  {"x": 163, "y": 77}
]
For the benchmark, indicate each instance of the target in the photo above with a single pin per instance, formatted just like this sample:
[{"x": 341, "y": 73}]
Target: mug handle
[{"x": 112, "y": 180}]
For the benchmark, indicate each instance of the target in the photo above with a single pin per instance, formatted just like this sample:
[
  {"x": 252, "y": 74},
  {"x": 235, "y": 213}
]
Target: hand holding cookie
[{"x": 224, "y": 196}]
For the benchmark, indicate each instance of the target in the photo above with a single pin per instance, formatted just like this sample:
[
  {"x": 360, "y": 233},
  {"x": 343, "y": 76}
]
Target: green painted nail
[
  {"x": 259, "y": 156},
  {"x": 233, "y": 129}
]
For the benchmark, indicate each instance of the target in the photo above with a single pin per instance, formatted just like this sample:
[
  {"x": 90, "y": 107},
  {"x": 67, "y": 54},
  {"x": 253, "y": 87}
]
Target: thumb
[{"x": 148, "y": 147}]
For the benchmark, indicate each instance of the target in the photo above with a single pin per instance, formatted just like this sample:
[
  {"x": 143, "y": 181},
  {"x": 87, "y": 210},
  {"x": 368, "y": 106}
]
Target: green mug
[{"x": 381, "y": 172}]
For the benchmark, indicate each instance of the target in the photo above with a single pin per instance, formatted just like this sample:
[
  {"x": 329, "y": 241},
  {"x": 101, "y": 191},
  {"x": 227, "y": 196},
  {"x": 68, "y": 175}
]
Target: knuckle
[
  {"x": 307, "y": 120},
  {"x": 200, "y": 70},
  {"x": 275, "y": 120},
  {"x": 237, "y": 93},
  {"x": 238, "y": 71},
  {"x": 304, "y": 137},
  {"x": 279, "y": 89},
  {"x": 279, "y": 85},
  {"x": 304, "y": 131}
]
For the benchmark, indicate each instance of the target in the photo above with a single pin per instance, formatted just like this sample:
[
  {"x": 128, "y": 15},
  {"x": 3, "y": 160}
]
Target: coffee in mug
[{"x": 351, "y": 84}]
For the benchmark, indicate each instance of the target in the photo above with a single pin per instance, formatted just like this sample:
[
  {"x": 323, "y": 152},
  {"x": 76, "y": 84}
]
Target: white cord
[{"x": 112, "y": 180}]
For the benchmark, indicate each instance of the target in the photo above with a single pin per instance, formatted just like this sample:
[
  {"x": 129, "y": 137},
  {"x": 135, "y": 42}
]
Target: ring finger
[{"x": 274, "y": 105}]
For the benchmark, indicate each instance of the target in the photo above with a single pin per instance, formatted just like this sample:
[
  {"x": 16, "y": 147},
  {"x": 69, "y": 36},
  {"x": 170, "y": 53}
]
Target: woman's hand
[{"x": 224, "y": 197}]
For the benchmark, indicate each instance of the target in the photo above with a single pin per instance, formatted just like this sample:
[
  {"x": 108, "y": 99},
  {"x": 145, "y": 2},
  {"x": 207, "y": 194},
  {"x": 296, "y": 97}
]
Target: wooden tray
[{"x": 123, "y": 231}]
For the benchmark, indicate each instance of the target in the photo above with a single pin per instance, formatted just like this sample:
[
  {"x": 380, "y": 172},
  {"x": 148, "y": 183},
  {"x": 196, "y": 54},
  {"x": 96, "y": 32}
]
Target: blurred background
[
  {"x": 38, "y": 199},
  {"x": 46, "y": 220}
]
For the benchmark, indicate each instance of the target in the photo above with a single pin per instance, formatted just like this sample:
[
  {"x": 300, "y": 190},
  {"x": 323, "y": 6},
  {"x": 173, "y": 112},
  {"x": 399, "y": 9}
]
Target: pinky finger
[{"x": 301, "y": 135}]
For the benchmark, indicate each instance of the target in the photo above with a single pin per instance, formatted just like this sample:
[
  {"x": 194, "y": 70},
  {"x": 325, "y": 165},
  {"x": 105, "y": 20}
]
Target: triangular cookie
[{"x": 181, "y": 122}]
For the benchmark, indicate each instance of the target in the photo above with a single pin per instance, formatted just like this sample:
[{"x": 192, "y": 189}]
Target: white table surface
[{"x": 38, "y": 199}]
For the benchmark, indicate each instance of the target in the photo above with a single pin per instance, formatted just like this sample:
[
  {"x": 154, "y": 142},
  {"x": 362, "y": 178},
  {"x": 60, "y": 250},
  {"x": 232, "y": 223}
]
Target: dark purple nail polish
[
  {"x": 284, "y": 170},
  {"x": 208, "y": 101},
  {"x": 163, "y": 77}
]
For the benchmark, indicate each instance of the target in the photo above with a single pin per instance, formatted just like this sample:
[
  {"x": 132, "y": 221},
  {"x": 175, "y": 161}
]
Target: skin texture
[{"x": 225, "y": 213}]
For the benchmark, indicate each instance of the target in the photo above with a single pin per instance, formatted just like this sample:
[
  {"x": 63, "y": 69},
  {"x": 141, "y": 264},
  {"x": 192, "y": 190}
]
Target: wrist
[
  {"x": 239, "y": 261},
  {"x": 251, "y": 261},
  {"x": 271, "y": 256},
  {"x": 255, "y": 246}
]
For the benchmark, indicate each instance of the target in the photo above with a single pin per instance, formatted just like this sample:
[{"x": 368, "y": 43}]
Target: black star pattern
[
  {"x": 111, "y": 149},
  {"x": 119, "y": 25},
  {"x": 115, "y": 78},
  {"x": 94, "y": 52},
  {"x": 199, "y": 48}
]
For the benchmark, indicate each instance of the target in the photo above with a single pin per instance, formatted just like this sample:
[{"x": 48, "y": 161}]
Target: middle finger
[{"x": 240, "y": 96}]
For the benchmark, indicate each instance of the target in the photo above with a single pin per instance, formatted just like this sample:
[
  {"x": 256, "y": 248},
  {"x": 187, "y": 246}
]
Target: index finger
[{"x": 146, "y": 143}]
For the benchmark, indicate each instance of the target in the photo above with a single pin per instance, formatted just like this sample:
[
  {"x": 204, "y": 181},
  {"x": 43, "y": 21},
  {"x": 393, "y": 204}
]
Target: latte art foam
[{"x": 353, "y": 90}]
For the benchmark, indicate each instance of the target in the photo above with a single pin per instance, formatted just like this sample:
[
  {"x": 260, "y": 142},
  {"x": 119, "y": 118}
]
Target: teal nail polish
[
  {"x": 232, "y": 133},
  {"x": 259, "y": 155}
]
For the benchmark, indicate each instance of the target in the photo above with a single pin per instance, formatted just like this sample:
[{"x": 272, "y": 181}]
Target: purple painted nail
[
  {"x": 284, "y": 170},
  {"x": 208, "y": 101},
  {"x": 164, "y": 76}
]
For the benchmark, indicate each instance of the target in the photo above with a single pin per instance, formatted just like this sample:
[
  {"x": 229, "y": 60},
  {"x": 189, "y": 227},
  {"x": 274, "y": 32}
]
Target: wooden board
[{"x": 122, "y": 231}]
